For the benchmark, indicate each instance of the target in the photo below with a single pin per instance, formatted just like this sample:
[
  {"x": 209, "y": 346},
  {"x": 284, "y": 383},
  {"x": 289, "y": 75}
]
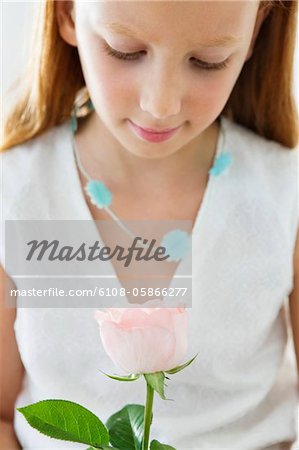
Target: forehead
[{"x": 160, "y": 20}]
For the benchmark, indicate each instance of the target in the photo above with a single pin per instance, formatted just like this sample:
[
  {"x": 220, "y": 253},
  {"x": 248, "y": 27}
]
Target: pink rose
[{"x": 144, "y": 340}]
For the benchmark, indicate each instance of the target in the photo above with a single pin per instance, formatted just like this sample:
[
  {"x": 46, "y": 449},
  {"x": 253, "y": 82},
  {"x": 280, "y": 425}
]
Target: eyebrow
[{"x": 218, "y": 41}]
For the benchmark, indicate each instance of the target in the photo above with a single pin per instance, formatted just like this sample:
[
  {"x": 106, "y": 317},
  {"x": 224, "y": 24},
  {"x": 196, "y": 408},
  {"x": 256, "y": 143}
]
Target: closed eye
[{"x": 137, "y": 55}]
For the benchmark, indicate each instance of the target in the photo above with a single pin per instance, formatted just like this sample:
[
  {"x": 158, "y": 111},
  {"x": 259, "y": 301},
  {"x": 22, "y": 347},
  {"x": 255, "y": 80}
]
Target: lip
[{"x": 153, "y": 135}]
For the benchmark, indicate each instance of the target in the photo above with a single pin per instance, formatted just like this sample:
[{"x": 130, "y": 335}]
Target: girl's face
[{"x": 161, "y": 65}]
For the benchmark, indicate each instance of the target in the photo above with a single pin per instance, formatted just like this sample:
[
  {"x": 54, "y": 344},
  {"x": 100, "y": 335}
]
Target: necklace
[{"x": 177, "y": 243}]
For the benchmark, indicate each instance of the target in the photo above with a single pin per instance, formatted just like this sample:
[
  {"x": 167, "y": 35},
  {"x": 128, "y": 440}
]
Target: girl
[{"x": 218, "y": 75}]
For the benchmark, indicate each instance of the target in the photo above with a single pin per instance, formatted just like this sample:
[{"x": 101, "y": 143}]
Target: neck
[{"x": 110, "y": 162}]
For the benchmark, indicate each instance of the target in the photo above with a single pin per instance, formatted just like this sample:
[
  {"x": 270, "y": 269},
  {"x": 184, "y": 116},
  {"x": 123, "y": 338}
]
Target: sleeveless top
[{"x": 240, "y": 392}]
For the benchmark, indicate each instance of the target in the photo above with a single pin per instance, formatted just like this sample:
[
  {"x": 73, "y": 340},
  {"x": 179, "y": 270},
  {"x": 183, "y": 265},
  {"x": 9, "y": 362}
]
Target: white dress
[{"x": 240, "y": 393}]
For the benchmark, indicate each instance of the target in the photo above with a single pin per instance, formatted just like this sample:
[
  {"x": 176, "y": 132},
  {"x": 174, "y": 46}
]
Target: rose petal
[
  {"x": 135, "y": 350},
  {"x": 180, "y": 330},
  {"x": 137, "y": 317}
]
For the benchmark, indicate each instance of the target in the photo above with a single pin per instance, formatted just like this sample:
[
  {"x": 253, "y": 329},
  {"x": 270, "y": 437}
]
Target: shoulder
[
  {"x": 29, "y": 166},
  {"x": 259, "y": 151},
  {"x": 267, "y": 163},
  {"x": 265, "y": 170},
  {"x": 35, "y": 150}
]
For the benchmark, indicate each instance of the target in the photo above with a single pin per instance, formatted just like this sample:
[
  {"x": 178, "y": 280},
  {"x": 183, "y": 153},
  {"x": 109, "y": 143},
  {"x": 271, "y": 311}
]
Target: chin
[{"x": 153, "y": 153}]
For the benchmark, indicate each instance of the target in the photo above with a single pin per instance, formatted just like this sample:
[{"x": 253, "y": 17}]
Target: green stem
[{"x": 147, "y": 415}]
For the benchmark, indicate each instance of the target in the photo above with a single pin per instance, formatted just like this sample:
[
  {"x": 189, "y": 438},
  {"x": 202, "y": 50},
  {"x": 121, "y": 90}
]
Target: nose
[{"x": 161, "y": 94}]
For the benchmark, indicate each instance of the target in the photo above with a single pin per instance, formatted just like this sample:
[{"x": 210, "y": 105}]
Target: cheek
[
  {"x": 212, "y": 89},
  {"x": 116, "y": 87},
  {"x": 209, "y": 94},
  {"x": 113, "y": 88},
  {"x": 106, "y": 80}
]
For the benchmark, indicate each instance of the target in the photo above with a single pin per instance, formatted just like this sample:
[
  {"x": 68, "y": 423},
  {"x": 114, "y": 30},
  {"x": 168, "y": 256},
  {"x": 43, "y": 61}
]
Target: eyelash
[{"x": 135, "y": 56}]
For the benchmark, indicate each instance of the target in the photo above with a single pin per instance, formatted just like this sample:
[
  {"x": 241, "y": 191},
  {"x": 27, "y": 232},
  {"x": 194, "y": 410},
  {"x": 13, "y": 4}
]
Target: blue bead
[
  {"x": 223, "y": 161},
  {"x": 99, "y": 194},
  {"x": 74, "y": 123},
  {"x": 177, "y": 244},
  {"x": 90, "y": 106}
]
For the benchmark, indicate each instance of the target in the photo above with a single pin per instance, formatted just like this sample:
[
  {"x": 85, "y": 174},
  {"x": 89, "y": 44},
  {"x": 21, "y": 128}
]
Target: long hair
[{"x": 262, "y": 98}]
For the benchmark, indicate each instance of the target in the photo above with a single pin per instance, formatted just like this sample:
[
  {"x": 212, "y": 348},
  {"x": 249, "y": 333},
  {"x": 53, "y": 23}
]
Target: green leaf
[
  {"x": 156, "y": 380},
  {"x": 68, "y": 421},
  {"x": 131, "y": 377},
  {"x": 126, "y": 427},
  {"x": 155, "y": 445},
  {"x": 179, "y": 368}
]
